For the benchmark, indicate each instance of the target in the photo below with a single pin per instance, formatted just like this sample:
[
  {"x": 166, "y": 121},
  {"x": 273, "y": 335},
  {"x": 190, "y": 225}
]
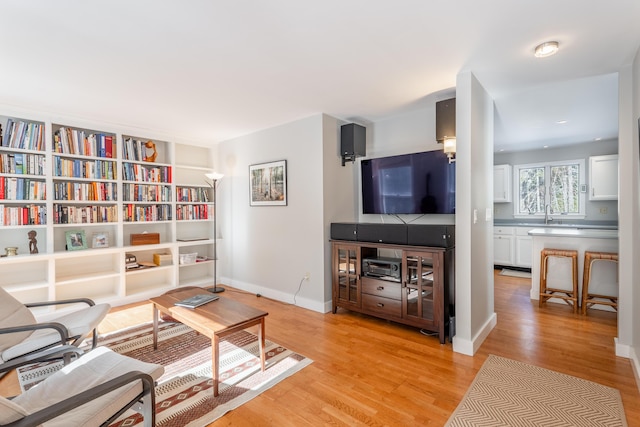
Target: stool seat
[
  {"x": 589, "y": 298},
  {"x": 569, "y": 294}
]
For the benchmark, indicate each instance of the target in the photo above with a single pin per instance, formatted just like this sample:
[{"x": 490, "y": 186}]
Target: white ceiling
[{"x": 212, "y": 70}]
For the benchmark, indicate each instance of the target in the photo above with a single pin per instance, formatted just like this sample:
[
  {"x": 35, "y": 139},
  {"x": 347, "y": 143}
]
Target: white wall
[
  {"x": 268, "y": 249},
  {"x": 570, "y": 152},
  {"x": 628, "y": 341},
  {"x": 339, "y": 192},
  {"x": 475, "y": 316}
]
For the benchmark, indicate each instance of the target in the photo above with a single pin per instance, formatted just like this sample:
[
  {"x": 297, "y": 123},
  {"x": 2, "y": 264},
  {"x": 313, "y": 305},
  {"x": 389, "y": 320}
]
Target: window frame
[{"x": 581, "y": 214}]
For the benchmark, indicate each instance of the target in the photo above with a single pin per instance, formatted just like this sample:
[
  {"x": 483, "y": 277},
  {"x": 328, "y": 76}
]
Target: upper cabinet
[
  {"x": 502, "y": 184},
  {"x": 603, "y": 177}
]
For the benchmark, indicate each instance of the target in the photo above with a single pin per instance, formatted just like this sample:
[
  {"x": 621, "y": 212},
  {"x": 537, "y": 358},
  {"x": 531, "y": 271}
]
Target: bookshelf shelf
[{"x": 82, "y": 177}]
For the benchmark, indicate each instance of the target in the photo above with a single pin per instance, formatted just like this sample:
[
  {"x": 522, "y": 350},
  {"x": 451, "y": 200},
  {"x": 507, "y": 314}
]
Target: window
[{"x": 556, "y": 185}]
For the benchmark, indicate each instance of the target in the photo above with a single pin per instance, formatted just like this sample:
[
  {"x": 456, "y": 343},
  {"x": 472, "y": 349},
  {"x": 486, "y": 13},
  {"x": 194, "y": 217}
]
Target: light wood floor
[{"x": 372, "y": 372}]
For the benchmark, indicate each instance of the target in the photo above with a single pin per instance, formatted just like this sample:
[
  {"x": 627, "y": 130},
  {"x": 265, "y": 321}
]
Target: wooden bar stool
[
  {"x": 569, "y": 294},
  {"x": 588, "y": 298}
]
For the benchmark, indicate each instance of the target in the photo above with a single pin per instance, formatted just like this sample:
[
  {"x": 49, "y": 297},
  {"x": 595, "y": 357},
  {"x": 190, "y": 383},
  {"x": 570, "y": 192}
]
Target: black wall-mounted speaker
[
  {"x": 445, "y": 119},
  {"x": 353, "y": 142}
]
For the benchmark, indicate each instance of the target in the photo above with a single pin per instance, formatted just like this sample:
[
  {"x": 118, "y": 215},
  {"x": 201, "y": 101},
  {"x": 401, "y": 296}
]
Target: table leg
[
  {"x": 155, "y": 327},
  {"x": 215, "y": 349},
  {"x": 261, "y": 340}
]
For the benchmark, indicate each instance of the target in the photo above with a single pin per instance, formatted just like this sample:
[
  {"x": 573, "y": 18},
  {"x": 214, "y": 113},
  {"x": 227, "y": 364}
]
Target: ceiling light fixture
[
  {"x": 561, "y": 122},
  {"x": 546, "y": 49}
]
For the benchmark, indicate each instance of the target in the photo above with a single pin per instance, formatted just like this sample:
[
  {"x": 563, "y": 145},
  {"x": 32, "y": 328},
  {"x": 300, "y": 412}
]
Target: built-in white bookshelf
[{"x": 60, "y": 180}]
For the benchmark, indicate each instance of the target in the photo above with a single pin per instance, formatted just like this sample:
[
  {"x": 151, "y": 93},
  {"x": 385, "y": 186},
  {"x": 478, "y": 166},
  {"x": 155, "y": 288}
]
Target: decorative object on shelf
[
  {"x": 11, "y": 251},
  {"x": 76, "y": 240},
  {"x": 162, "y": 259},
  {"x": 33, "y": 242},
  {"x": 188, "y": 258},
  {"x": 215, "y": 177},
  {"x": 150, "y": 158},
  {"x": 268, "y": 184},
  {"x": 100, "y": 240},
  {"x": 130, "y": 261},
  {"x": 145, "y": 239}
]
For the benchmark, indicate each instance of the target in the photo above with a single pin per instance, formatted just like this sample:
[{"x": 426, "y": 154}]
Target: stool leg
[
  {"x": 543, "y": 279},
  {"x": 576, "y": 299},
  {"x": 585, "y": 282}
]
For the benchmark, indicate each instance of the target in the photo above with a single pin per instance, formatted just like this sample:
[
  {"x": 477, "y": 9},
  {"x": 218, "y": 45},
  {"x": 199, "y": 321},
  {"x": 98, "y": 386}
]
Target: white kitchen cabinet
[
  {"x": 523, "y": 247},
  {"x": 502, "y": 184},
  {"x": 603, "y": 177},
  {"x": 503, "y": 249}
]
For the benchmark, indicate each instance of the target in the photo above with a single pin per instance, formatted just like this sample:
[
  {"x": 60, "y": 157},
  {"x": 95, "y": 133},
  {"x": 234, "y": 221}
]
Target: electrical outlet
[
  {"x": 307, "y": 276},
  {"x": 604, "y": 210}
]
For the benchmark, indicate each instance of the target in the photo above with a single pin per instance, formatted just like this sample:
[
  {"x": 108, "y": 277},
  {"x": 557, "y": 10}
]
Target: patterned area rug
[
  {"x": 184, "y": 394},
  {"x": 510, "y": 393}
]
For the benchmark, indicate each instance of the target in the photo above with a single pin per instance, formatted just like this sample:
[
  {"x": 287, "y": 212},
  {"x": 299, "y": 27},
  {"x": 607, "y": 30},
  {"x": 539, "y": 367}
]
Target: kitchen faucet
[{"x": 547, "y": 217}]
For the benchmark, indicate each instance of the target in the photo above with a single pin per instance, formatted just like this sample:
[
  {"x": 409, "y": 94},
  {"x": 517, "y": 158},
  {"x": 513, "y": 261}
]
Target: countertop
[
  {"x": 574, "y": 232},
  {"x": 558, "y": 225}
]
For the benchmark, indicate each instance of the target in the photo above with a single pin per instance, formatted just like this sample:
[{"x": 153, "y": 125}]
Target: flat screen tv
[{"x": 419, "y": 183}]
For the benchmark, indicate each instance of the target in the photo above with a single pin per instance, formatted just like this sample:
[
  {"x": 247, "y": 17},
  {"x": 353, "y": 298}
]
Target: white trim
[
  {"x": 285, "y": 297},
  {"x": 469, "y": 347}
]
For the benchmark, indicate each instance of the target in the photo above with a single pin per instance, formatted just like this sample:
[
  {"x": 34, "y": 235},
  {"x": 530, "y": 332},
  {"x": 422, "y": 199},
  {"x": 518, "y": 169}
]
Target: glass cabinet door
[
  {"x": 419, "y": 290},
  {"x": 347, "y": 280}
]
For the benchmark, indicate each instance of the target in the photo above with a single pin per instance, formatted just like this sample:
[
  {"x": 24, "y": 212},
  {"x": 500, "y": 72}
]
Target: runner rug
[
  {"x": 510, "y": 393},
  {"x": 184, "y": 394}
]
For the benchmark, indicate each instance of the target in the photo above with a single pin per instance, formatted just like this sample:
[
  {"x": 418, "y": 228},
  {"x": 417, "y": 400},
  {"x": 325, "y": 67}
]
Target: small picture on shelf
[
  {"x": 76, "y": 240},
  {"x": 100, "y": 240}
]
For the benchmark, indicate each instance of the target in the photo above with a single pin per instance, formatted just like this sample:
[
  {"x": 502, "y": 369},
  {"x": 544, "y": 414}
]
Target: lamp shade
[{"x": 214, "y": 175}]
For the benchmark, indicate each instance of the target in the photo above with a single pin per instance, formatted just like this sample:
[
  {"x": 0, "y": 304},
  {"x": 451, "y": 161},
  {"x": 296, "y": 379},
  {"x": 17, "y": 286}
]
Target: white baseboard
[
  {"x": 469, "y": 347},
  {"x": 278, "y": 295},
  {"x": 624, "y": 350}
]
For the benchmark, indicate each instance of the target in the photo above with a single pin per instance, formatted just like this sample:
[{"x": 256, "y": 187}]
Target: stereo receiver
[{"x": 386, "y": 268}]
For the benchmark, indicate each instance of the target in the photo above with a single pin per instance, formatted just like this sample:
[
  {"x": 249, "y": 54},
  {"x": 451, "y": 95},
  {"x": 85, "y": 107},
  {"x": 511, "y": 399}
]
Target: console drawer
[
  {"x": 384, "y": 306},
  {"x": 381, "y": 288}
]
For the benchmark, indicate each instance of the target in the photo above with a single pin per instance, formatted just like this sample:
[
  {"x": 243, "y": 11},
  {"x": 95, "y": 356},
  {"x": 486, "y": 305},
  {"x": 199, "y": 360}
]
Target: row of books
[
  {"x": 136, "y": 213},
  {"x": 22, "y": 163},
  {"x": 187, "y": 212},
  {"x": 23, "y": 215},
  {"x": 12, "y": 188},
  {"x": 146, "y": 193},
  {"x": 63, "y": 214},
  {"x": 190, "y": 194},
  {"x": 76, "y": 168},
  {"x": 146, "y": 173},
  {"x": 92, "y": 191},
  {"x": 134, "y": 149},
  {"x": 24, "y": 135},
  {"x": 79, "y": 142}
]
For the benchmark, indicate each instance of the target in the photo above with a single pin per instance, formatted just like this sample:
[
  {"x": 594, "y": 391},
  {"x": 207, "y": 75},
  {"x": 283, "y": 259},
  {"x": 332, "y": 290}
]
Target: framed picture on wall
[
  {"x": 268, "y": 184},
  {"x": 76, "y": 240}
]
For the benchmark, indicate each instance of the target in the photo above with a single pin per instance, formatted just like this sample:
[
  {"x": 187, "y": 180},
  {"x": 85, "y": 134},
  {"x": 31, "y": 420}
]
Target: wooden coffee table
[{"x": 214, "y": 320}]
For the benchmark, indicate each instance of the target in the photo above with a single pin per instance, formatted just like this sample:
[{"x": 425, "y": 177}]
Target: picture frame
[
  {"x": 268, "y": 184},
  {"x": 100, "y": 240},
  {"x": 76, "y": 240}
]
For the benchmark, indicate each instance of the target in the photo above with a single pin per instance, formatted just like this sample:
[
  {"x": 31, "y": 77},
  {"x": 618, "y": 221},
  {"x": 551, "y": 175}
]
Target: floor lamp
[{"x": 215, "y": 177}]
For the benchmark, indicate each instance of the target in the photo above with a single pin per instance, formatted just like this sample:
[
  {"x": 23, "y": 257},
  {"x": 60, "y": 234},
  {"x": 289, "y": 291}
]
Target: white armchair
[
  {"x": 93, "y": 390},
  {"x": 23, "y": 339}
]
